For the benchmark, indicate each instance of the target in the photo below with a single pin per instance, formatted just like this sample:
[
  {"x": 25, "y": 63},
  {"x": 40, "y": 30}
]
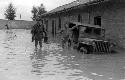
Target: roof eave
[{"x": 74, "y": 7}]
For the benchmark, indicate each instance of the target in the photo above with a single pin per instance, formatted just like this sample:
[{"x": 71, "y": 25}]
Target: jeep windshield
[{"x": 87, "y": 30}]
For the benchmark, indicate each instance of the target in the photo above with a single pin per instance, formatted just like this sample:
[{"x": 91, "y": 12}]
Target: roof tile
[{"x": 73, "y": 4}]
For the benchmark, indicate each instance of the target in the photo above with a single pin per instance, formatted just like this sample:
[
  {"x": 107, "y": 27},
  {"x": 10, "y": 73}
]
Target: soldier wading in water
[
  {"x": 66, "y": 36},
  {"x": 38, "y": 33}
]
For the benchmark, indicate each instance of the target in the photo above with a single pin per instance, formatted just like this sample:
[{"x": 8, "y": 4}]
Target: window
[
  {"x": 97, "y": 20},
  {"x": 88, "y": 30}
]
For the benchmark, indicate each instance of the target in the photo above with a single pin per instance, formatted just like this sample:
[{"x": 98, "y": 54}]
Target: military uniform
[
  {"x": 37, "y": 34},
  {"x": 66, "y": 37}
]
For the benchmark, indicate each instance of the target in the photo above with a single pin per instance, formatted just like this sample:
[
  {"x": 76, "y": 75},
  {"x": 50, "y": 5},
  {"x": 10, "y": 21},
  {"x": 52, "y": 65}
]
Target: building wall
[
  {"x": 112, "y": 19},
  {"x": 114, "y": 23},
  {"x": 16, "y": 24}
]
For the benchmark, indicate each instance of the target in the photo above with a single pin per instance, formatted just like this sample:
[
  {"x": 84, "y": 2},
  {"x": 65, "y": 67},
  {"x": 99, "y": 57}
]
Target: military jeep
[{"x": 89, "y": 38}]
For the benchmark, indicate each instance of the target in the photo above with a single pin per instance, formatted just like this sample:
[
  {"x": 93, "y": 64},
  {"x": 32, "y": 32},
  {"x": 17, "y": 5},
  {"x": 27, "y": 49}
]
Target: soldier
[
  {"x": 7, "y": 26},
  {"x": 37, "y": 34},
  {"x": 66, "y": 36}
]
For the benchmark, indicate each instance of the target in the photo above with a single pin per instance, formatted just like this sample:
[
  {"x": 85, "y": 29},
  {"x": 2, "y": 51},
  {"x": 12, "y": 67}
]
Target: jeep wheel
[{"x": 84, "y": 50}]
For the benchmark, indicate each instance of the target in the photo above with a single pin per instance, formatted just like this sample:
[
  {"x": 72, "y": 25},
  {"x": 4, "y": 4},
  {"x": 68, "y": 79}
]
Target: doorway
[
  {"x": 79, "y": 18},
  {"x": 59, "y": 27},
  {"x": 53, "y": 28}
]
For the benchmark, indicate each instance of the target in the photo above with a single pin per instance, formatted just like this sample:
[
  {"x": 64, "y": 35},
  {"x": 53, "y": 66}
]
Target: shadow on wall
[{"x": 16, "y": 24}]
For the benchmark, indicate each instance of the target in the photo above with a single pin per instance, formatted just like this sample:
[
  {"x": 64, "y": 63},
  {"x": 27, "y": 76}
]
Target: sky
[{"x": 24, "y": 7}]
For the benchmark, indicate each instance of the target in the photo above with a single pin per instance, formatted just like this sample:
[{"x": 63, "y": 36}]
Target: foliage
[
  {"x": 37, "y": 12},
  {"x": 10, "y": 12}
]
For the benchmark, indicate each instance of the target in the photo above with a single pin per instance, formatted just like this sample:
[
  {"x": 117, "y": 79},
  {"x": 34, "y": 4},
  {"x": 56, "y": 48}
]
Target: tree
[
  {"x": 34, "y": 12},
  {"x": 10, "y": 12},
  {"x": 37, "y": 12}
]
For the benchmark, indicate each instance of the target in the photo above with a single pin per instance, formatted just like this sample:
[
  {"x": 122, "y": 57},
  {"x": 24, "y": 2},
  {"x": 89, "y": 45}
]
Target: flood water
[{"x": 19, "y": 60}]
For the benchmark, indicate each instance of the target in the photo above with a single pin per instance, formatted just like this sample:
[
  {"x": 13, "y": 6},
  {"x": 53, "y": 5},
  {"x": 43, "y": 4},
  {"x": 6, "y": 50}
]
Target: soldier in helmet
[
  {"x": 37, "y": 34},
  {"x": 66, "y": 35}
]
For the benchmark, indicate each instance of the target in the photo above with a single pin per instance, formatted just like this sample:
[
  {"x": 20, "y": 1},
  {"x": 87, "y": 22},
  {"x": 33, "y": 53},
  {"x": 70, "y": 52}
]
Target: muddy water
[{"x": 19, "y": 60}]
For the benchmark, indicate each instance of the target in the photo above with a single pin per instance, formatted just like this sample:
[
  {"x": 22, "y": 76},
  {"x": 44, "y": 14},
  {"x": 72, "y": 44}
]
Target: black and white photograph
[{"x": 62, "y": 39}]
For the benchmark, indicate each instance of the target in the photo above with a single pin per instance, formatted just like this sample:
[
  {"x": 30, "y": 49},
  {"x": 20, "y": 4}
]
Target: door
[
  {"x": 59, "y": 23},
  {"x": 53, "y": 28},
  {"x": 79, "y": 18},
  {"x": 46, "y": 25}
]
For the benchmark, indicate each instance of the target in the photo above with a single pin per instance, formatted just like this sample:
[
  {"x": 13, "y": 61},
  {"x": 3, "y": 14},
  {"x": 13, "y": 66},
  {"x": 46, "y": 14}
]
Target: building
[{"x": 109, "y": 14}]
